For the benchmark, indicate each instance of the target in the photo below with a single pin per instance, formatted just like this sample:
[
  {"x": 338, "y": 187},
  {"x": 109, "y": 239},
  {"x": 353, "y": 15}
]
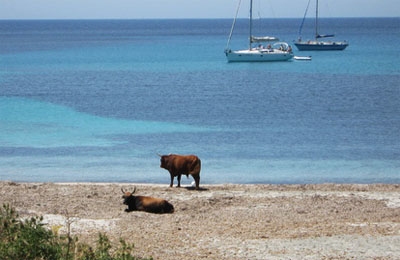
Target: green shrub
[
  {"x": 30, "y": 239},
  {"x": 25, "y": 239}
]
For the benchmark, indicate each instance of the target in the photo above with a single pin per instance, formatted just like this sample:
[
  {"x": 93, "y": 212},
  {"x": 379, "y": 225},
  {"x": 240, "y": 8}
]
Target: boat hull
[
  {"x": 302, "y": 58},
  {"x": 255, "y": 55},
  {"x": 321, "y": 46}
]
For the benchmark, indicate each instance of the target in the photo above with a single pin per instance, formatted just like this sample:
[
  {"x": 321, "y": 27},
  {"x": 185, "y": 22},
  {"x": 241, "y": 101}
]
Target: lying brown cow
[
  {"x": 182, "y": 164},
  {"x": 144, "y": 203}
]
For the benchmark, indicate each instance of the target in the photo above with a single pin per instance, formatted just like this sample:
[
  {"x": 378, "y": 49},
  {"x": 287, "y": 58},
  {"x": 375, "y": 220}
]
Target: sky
[{"x": 150, "y": 9}]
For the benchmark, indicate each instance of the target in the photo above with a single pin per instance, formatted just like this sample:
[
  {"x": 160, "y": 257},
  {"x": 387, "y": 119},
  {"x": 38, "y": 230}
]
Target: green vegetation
[{"x": 30, "y": 239}]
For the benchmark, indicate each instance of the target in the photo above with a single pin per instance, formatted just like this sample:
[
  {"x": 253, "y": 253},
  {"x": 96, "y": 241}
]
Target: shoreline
[
  {"x": 187, "y": 185},
  {"x": 226, "y": 221}
]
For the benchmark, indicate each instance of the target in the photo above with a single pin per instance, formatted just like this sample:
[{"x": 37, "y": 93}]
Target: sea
[{"x": 99, "y": 100}]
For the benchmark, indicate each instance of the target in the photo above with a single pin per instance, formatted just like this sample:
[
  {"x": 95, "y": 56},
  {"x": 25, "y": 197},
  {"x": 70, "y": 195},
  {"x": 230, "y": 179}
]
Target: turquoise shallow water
[{"x": 97, "y": 100}]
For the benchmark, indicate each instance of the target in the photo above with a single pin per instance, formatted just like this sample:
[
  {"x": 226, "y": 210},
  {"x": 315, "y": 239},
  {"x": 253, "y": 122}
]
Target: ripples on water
[{"x": 96, "y": 100}]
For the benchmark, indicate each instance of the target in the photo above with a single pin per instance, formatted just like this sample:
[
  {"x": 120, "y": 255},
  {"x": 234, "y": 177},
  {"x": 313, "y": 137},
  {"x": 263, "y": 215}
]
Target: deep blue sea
[{"x": 96, "y": 100}]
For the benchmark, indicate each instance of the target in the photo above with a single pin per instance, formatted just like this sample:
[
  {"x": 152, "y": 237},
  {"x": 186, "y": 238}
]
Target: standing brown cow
[{"x": 182, "y": 164}]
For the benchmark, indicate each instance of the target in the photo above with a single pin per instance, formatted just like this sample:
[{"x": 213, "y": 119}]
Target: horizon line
[{"x": 188, "y": 18}]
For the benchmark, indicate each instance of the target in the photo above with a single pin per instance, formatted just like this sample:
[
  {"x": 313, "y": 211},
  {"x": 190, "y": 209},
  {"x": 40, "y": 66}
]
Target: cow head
[
  {"x": 163, "y": 161},
  {"x": 128, "y": 196}
]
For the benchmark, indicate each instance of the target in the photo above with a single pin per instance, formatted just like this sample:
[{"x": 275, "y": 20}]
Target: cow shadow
[{"x": 194, "y": 188}]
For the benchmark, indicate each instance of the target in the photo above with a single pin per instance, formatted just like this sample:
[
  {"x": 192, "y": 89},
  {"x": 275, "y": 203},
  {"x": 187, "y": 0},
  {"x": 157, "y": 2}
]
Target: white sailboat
[
  {"x": 274, "y": 51},
  {"x": 316, "y": 44}
]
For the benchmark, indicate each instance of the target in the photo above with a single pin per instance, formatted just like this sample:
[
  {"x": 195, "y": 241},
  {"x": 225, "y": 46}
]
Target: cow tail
[{"x": 198, "y": 164}]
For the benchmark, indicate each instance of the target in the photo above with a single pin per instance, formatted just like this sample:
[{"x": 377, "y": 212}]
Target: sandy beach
[{"x": 324, "y": 221}]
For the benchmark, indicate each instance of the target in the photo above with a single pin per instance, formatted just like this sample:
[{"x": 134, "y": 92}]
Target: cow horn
[
  {"x": 159, "y": 154},
  {"x": 134, "y": 190},
  {"x": 122, "y": 189}
]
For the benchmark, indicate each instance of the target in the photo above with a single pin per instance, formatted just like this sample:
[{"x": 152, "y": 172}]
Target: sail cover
[
  {"x": 325, "y": 35},
  {"x": 264, "y": 39}
]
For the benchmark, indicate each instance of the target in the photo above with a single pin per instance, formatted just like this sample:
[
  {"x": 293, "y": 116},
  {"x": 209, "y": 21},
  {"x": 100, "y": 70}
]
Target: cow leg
[
  {"x": 172, "y": 181},
  {"x": 179, "y": 180},
  {"x": 197, "y": 180}
]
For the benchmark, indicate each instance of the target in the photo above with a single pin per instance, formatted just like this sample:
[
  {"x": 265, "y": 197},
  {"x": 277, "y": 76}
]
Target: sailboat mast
[
  {"x": 316, "y": 21},
  {"x": 251, "y": 23}
]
